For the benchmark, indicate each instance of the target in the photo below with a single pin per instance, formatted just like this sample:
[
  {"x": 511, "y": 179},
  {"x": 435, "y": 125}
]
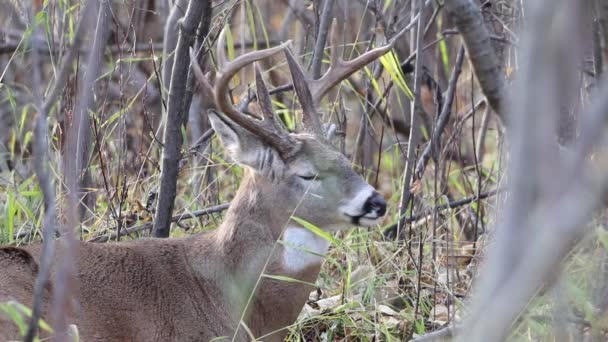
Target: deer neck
[
  {"x": 253, "y": 223},
  {"x": 245, "y": 247},
  {"x": 257, "y": 218}
]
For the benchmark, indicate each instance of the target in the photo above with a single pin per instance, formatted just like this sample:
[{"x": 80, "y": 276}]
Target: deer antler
[
  {"x": 340, "y": 69},
  {"x": 310, "y": 118},
  {"x": 310, "y": 92},
  {"x": 268, "y": 129}
]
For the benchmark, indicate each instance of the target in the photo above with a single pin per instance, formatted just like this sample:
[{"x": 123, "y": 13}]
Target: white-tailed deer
[{"x": 211, "y": 286}]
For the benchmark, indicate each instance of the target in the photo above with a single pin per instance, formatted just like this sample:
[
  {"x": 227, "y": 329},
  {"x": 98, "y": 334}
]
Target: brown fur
[{"x": 17, "y": 278}]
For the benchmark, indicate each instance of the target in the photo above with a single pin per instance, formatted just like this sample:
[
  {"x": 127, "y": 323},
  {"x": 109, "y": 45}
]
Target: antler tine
[
  {"x": 267, "y": 131},
  {"x": 341, "y": 69},
  {"x": 263, "y": 95},
  {"x": 208, "y": 95},
  {"x": 220, "y": 50},
  {"x": 310, "y": 117},
  {"x": 336, "y": 49}
]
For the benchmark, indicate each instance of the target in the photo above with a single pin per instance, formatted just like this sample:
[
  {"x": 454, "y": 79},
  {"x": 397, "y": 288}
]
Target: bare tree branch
[
  {"x": 78, "y": 140},
  {"x": 41, "y": 162},
  {"x": 468, "y": 20},
  {"x": 176, "y": 112},
  {"x": 602, "y": 14}
]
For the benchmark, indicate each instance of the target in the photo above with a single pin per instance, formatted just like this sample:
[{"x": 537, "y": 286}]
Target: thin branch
[
  {"x": 64, "y": 70},
  {"x": 388, "y": 232},
  {"x": 317, "y": 54},
  {"x": 11, "y": 47},
  {"x": 481, "y": 137},
  {"x": 299, "y": 9},
  {"x": 416, "y": 114},
  {"x": 147, "y": 226},
  {"x": 252, "y": 95},
  {"x": 170, "y": 41},
  {"x": 433, "y": 147}
]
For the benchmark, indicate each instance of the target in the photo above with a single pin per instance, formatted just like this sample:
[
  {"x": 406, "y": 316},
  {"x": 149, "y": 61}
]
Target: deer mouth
[
  {"x": 369, "y": 206},
  {"x": 365, "y": 220}
]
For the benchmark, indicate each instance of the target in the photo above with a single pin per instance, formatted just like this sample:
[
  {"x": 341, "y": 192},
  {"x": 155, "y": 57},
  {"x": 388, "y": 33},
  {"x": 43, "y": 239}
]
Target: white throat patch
[{"x": 302, "y": 249}]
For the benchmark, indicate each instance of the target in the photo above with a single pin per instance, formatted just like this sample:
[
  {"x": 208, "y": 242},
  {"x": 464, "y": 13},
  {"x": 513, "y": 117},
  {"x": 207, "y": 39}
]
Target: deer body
[
  {"x": 212, "y": 286},
  {"x": 197, "y": 288}
]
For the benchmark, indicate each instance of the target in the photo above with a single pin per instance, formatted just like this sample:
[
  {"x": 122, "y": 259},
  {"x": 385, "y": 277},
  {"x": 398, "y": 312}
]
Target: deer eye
[{"x": 308, "y": 177}]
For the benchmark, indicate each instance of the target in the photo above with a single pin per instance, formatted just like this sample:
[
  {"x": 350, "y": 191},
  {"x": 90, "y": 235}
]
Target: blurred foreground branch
[
  {"x": 554, "y": 191},
  {"x": 41, "y": 166},
  {"x": 76, "y": 171}
]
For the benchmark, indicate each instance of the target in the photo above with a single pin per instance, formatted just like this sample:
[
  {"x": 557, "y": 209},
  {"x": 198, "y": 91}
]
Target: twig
[
  {"x": 252, "y": 95},
  {"x": 433, "y": 146},
  {"x": 388, "y": 232},
  {"x": 177, "y": 218},
  {"x": 170, "y": 41},
  {"x": 298, "y": 8},
  {"x": 481, "y": 138},
  {"x": 202, "y": 141},
  {"x": 416, "y": 114},
  {"x": 317, "y": 54},
  {"x": 64, "y": 70},
  {"x": 12, "y": 46}
]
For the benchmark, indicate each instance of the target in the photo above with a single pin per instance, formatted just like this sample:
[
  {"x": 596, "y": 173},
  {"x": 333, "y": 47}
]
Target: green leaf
[
  {"x": 251, "y": 20},
  {"x": 11, "y": 311},
  {"x": 346, "y": 307},
  {"x": 443, "y": 47},
  {"x": 28, "y": 313},
  {"x": 23, "y": 120},
  {"x": 287, "y": 279},
  {"x": 316, "y": 230},
  {"x": 261, "y": 20},
  {"x": 19, "y": 314},
  {"x": 9, "y": 220},
  {"x": 602, "y": 236},
  {"x": 230, "y": 47},
  {"x": 392, "y": 65}
]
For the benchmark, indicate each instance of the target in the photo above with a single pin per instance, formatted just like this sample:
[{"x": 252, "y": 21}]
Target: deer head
[{"x": 307, "y": 172}]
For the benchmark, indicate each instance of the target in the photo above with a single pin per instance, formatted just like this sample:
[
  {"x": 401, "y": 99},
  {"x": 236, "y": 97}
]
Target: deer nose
[{"x": 376, "y": 203}]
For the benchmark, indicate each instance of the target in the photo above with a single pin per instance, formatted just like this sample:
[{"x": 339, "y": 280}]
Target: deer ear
[{"x": 245, "y": 147}]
